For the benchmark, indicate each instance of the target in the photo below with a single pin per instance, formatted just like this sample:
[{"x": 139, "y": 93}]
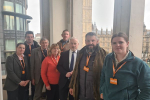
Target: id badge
[
  {"x": 86, "y": 69},
  {"x": 23, "y": 72},
  {"x": 113, "y": 81},
  {"x": 29, "y": 55}
]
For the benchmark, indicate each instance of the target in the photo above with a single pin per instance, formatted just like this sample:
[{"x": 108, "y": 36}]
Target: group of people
[{"x": 71, "y": 74}]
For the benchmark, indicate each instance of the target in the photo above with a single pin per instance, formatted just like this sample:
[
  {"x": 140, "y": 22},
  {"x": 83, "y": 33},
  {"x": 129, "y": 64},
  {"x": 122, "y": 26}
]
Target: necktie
[
  {"x": 45, "y": 52},
  {"x": 72, "y": 62}
]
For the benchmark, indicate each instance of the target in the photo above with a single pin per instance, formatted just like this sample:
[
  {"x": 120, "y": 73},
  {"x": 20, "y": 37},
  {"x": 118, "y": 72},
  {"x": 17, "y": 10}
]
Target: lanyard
[
  {"x": 22, "y": 64},
  {"x": 62, "y": 47},
  {"x": 87, "y": 60},
  {"x": 56, "y": 60},
  {"x": 115, "y": 71},
  {"x": 43, "y": 53}
]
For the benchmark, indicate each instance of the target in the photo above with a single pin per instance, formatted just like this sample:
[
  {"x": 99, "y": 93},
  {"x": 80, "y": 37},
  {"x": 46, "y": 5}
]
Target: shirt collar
[
  {"x": 20, "y": 58},
  {"x": 65, "y": 41},
  {"x": 122, "y": 59},
  {"x": 73, "y": 51},
  {"x": 43, "y": 49},
  {"x": 31, "y": 44}
]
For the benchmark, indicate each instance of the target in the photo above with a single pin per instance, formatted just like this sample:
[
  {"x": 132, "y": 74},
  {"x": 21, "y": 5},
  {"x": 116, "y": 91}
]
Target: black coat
[
  {"x": 14, "y": 72},
  {"x": 63, "y": 68}
]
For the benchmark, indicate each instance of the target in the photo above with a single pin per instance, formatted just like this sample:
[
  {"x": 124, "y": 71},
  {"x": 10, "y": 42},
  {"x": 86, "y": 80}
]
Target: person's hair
[
  {"x": 120, "y": 34},
  {"x": 73, "y": 38},
  {"x": 53, "y": 46},
  {"x": 65, "y": 31},
  {"x": 43, "y": 39},
  {"x": 91, "y": 34},
  {"x": 29, "y": 32},
  {"x": 18, "y": 44}
]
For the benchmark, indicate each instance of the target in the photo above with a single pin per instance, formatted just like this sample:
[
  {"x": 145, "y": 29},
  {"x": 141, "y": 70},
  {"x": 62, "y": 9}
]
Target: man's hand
[
  {"x": 101, "y": 95},
  {"x": 33, "y": 82},
  {"x": 48, "y": 88},
  {"x": 27, "y": 81},
  {"x": 69, "y": 74},
  {"x": 71, "y": 91},
  {"x": 22, "y": 83}
]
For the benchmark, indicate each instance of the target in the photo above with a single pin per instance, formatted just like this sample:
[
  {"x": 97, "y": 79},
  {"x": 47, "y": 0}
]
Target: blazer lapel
[
  {"x": 77, "y": 54},
  {"x": 17, "y": 59},
  {"x": 67, "y": 60},
  {"x": 39, "y": 54}
]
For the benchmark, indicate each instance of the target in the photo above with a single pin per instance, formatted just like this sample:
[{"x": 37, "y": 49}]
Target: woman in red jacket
[{"x": 50, "y": 74}]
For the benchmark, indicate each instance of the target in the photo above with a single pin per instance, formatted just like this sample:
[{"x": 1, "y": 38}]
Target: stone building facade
[
  {"x": 13, "y": 24},
  {"x": 87, "y": 18},
  {"x": 146, "y": 44}
]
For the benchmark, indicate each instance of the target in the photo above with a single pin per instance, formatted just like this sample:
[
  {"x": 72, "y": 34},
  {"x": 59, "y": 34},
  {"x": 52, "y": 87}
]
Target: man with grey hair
[
  {"x": 37, "y": 56},
  {"x": 65, "y": 67},
  {"x": 84, "y": 84}
]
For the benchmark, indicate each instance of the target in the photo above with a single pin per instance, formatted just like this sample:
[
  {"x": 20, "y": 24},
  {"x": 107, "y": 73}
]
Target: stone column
[
  {"x": 129, "y": 18},
  {"x": 58, "y": 15},
  {"x": 1, "y": 88},
  {"x": 44, "y": 19},
  {"x": 77, "y": 21}
]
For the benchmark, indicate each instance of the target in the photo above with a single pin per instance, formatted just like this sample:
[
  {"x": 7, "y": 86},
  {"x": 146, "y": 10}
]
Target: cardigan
[{"x": 49, "y": 72}]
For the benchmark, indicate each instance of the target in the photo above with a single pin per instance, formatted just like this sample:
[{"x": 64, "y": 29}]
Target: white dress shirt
[{"x": 75, "y": 56}]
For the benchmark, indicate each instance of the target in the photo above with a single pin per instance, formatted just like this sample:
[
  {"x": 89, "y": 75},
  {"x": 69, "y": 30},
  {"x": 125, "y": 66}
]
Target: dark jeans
[
  {"x": 19, "y": 94},
  {"x": 53, "y": 94}
]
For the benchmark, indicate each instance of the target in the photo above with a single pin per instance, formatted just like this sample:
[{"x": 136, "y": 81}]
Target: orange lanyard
[
  {"x": 87, "y": 60},
  {"x": 22, "y": 64},
  {"x": 115, "y": 71},
  {"x": 56, "y": 60},
  {"x": 43, "y": 53},
  {"x": 62, "y": 47}
]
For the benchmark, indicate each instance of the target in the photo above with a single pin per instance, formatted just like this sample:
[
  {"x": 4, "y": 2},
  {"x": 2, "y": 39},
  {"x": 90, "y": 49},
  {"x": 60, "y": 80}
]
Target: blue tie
[{"x": 72, "y": 62}]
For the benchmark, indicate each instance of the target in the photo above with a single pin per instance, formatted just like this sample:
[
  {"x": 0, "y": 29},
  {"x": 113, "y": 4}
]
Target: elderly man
[
  {"x": 85, "y": 79},
  {"x": 65, "y": 67},
  {"x": 64, "y": 43},
  {"x": 37, "y": 56}
]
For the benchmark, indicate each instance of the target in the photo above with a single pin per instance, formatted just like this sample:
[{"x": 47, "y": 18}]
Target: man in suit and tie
[
  {"x": 37, "y": 56},
  {"x": 65, "y": 67}
]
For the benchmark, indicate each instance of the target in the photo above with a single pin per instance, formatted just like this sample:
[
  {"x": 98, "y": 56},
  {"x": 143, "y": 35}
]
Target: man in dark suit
[
  {"x": 65, "y": 67},
  {"x": 30, "y": 44},
  {"x": 37, "y": 56}
]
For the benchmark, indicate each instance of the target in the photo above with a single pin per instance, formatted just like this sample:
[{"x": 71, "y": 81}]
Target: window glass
[
  {"x": 20, "y": 41},
  {"x": 24, "y": 25},
  {"x": 21, "y": 24},
  {"x": 8, "y": 6},
  {"x": 18, "y": 8},
  {"x": 10, "y": 44},
  {"x": 24, "y": 10},
  {"x": 6, "y": 22},
  {"x": 17, "y": 23},
  {"x": 12, "y": 23}
]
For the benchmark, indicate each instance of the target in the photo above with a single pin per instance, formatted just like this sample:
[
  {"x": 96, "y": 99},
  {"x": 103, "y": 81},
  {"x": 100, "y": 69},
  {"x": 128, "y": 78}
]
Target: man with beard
[{"x": 85, "y": 79}]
